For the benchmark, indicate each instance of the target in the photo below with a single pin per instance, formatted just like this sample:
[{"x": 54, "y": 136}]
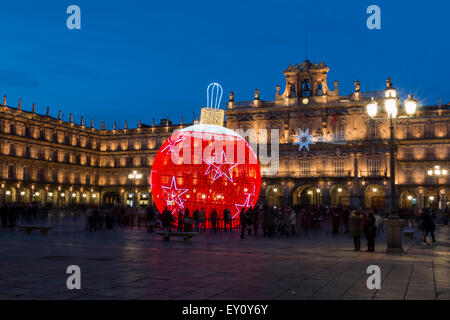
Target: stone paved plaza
[{"x": 133, "y": 264}]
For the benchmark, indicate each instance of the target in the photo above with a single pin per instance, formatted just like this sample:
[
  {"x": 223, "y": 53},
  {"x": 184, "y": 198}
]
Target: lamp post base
[{"x": 394, "y": 235}]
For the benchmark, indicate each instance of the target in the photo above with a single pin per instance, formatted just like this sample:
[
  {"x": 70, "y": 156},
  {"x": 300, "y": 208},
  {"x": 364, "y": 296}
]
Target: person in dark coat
[
  {"x": 187, "y": 222},
  {"x": 166, "y": 219},
  {"x": 249, "y": 220},
  {"x": 227, "y": 219},
  {"x": 180, "y": 221},
  {"x": 336, "y": 219},
  {"x": 256, "y": 217},
  {"x": 356, "y": 221},
  {"x": 243, "y": 218},
  {"x": 268, "y": 222},
  {"x": 196, "y": 220},
  {"x": 370, "y": 229},
  {"x": 4, "y": 213},
  {"x": 151, "y": 217},
  {"x": 346, "y": 217},
  {"x": 214, "y": 220},
  {"x": 428, "y": 226}
]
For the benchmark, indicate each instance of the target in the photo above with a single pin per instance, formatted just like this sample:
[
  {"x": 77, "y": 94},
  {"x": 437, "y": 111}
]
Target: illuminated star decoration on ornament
[
  {"x": 174, "y": 194},
  {"x": 216, "y": 165},
  {"x": 171, "y": 144},
  {"x": 304, "y": 139},
  {"x": 247, "y": 203}
]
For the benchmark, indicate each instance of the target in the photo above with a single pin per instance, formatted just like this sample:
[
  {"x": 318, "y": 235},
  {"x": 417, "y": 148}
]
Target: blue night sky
[{"x": 143, "y": 59}]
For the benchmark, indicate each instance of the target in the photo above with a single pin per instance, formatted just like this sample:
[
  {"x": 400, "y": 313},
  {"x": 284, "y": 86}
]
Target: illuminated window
[
  {"x": 373, "y": 166},
  {"x": 305, "y": 168},
  {"x": 339, "y": 168}
]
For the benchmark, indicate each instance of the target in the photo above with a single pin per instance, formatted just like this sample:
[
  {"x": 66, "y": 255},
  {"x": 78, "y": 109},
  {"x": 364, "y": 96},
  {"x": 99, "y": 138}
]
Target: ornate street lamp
[
  {"x": 372, "y": 108},
  {"x": 410, "y": 105},
  {"x": 134, "y": 176},
  {"x": 437, "y": 172},
  {"x": 391, "y": 102}
]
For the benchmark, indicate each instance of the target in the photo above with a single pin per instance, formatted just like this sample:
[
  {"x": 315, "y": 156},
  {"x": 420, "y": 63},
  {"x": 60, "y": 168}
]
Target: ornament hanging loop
[{"x": 214, "y": 94}]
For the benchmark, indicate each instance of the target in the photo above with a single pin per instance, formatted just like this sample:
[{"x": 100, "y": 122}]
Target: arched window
[
  {"x": 293, "y": 92},
  {"x": 306, "y": 87},
  {"x": 319, "y": 90}
]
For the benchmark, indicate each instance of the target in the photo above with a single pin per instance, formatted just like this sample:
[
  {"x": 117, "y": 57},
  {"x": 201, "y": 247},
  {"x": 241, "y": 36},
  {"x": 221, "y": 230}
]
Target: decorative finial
[
  {"x": 115, "y": 125},
  {"x": 4, "y": 100},
  {"x": 48, "y": 111},
  {"x": 103, "y": 125},
  {"x": 19, "y": 107},
  {"x": 256, "y": 94},
  {"x": 82, "y": 121},
  {"x": 389, "y": 82},
  {"x": 139, "y": 124},
  {"x": 126, "y": 124},
  {"x": 336, "y": 88},
  {"x": 59, "y": 114},
  {"x": 277, "y": 91},
  {"x": 34, "y": 108},
  {"x": 231, "y": 99},
  {"x": 92, "y": 123},
  {"x": 357, "y": 85}
]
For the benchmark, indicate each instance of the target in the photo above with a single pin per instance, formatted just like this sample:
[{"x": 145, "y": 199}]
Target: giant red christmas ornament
[{"x": 205, "y": 166}]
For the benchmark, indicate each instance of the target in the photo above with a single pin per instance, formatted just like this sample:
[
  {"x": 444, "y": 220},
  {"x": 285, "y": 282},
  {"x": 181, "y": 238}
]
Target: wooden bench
[
  {"x": 409, "y": 232},
  {"x": 28, "y": 229},
  {"x": 167, "y": 234}
]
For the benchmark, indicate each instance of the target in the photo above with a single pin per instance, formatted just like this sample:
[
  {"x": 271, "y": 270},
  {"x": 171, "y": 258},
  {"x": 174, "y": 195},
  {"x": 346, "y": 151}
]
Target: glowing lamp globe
[{"x": 205, "y": 166}]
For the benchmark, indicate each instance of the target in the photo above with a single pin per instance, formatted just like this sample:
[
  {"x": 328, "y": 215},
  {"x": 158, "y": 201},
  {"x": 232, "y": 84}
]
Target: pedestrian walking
[
  {"x": 243, "y": 219},
  {"x": 196, "y": 220},
  {"x": 4, "y": 214},
  {"x": 293, "y": 221},
  {"x": 180, "y": 221},
  {"x": 356, "y": 221},
  {"x": 428, "y": 226},
  {"x": 370, "y": 229},
  {"x": 336, "y": 221},
  {"x": 214, "y": 220},
  {"x": 151, "y": 217},
  {"x": 256, "y": 218},
  {"x": 248, "y": 220},
  {"x": 166, "y": 219},
  {"x": 188, "y": 221}
]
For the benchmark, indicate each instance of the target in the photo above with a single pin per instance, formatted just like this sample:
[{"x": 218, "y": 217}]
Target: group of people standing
[
  {"x": 366, "y": 224},
  {"x": 12, "y": 213}
]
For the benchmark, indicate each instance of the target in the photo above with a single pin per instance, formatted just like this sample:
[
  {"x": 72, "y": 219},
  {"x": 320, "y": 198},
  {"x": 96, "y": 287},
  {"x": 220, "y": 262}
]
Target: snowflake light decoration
[{"x": 304, "y": 139}]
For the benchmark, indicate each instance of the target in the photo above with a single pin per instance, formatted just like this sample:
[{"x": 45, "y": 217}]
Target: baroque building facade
[{"x": 49, "y": 160}]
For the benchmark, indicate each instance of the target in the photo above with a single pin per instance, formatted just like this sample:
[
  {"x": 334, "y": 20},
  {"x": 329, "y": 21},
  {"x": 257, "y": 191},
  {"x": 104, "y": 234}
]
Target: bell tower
[{"x": 307, "y": 80}]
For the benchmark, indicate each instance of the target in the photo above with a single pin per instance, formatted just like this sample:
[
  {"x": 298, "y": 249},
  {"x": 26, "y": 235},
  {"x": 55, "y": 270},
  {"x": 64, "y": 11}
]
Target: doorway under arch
[
  {"x": 274, "y": 195},
  {"x": 374, "y": 197},
  {"x": 340, "y": 195},
  {"x": 306, "y": 195},
  {"x": 408, "y": 199}
]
